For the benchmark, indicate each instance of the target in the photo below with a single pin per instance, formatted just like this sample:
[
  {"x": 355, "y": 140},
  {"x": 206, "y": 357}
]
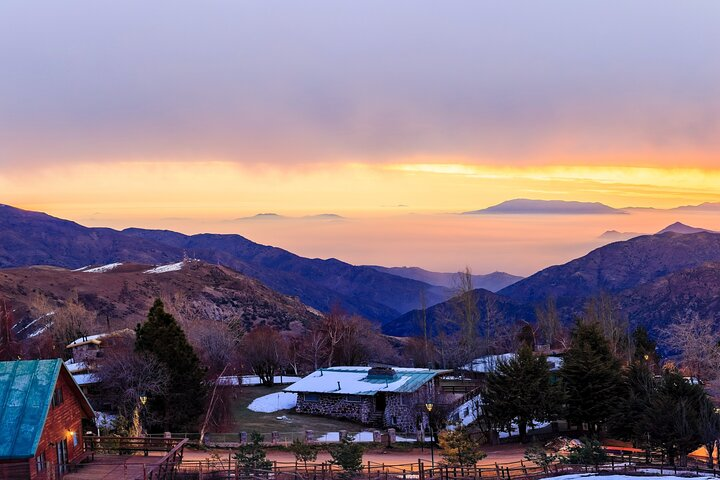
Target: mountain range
[
  {"x": 32, "y": 238},
  {"x": 653, "y": 278},
  {"x": 492, "y": 281},
  {"x": 523, "y": 206}
]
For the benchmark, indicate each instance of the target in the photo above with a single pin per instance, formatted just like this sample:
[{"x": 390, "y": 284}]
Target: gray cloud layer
[{"x": 324, "y": 80}]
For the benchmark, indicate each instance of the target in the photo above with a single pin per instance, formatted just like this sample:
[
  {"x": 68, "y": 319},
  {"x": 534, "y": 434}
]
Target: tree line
[{"x": 596, "y": 391}]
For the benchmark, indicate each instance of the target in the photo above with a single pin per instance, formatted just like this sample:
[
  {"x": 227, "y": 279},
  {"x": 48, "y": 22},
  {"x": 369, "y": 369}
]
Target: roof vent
[{"x": 375, "y": 372}]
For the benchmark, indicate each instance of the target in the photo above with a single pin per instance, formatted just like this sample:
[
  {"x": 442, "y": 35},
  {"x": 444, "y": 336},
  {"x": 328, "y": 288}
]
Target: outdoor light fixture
[
  {"x": 429, "y": 407},
  {"x": 143, "y": 399}
]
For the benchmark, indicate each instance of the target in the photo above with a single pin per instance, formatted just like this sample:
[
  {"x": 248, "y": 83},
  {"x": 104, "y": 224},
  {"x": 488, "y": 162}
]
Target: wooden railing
[{"x": 129, "y": 445}]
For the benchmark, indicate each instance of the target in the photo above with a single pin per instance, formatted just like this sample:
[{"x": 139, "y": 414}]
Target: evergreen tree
[
  {"x": 348, "y": 455},
  {"x": 637, "y": 392},
  {"x": 591, "y": 377},
  {"x": 251, "y": 456},
  {"x": 459, "y": 448},
  {"x": 674, "y": 421},
  {"x": 645, "y": 347},
  {"x": 520, "y": 391},
  {"x": 162, "y": 337}
]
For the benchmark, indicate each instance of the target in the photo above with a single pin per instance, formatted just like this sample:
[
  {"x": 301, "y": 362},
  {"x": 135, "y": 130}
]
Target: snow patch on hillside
[
  {"x": 274, "y": 402},
  {"x": 173, "y": 267},
  {"x": 104, "y": 268}
]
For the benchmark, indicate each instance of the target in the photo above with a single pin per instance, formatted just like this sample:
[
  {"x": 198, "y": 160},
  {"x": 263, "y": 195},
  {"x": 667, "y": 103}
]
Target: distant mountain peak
[
  {"x": 616, "y": 235},
  {"x": 524, "y": 206},
  {"x": 679, "y": 227}
]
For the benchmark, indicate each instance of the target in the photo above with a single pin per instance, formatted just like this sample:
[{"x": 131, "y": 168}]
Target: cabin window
[
  {"x": 311, "y": 397},
  {"x": 40, "y": 462},
  {"x": 75, "y": 439},
  {"x": 57, "y": 398},
  {"x": 353, "y": 398}
]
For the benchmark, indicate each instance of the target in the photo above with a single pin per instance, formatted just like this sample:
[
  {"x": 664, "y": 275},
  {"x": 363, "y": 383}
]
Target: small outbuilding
[
  {"x": 42, "y": 414},
  {"x": 379, "y": 396}
]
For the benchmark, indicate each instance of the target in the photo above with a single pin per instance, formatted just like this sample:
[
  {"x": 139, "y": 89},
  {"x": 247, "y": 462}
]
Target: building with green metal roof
[
  {"x": 379, "y": 396},
  {"x": 42, "y": 411}
]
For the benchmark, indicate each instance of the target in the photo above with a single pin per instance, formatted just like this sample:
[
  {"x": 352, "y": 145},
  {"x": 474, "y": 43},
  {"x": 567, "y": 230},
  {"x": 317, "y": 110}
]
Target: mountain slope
[
  {"x": 492, "y": 281},
  {"x": 319, "y": 283},
  {"x": 503, "y": 311},
  {"x": 617, "y": 267},
  {"x": 657, "y": 303},
  {"x": 33, "y": 238},
  {"x": 121, "y": 295}
]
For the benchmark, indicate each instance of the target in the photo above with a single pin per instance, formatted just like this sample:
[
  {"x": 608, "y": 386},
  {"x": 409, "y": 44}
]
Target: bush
[
  {"x": 459, "y": 449},
  {"x": 589, "y": 452},
  {"x": 304, "y": 452},
  {"x": 540, "y": 457}
]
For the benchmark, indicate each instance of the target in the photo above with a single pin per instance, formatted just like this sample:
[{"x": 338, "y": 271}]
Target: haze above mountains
[{"x": 652, "y": 277}]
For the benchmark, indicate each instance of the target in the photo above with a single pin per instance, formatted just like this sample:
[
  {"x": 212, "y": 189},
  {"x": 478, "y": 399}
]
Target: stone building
[{"x": 378, "y": 396}]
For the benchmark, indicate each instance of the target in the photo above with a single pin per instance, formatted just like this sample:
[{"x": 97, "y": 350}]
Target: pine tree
[
  {"x": 637, "y": 391},
  {"x": 645, "y": 347},
  {"x": 674, "y": 422},
  {"x": 162, "y": 337},
  {"x": 251, "y": 456},
  {"x": 520, "y": 391},
  {"x": 591, "y": 377},
  {"x": 459, "y": 449},
  {"x": 348, "y": 455}
]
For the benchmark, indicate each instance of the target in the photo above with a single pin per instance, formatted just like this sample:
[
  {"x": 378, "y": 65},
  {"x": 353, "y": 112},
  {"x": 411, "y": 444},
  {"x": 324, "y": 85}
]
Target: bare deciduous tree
[
  {"x": 125, "y": 377},
  {"x": 695, "y": 340}
]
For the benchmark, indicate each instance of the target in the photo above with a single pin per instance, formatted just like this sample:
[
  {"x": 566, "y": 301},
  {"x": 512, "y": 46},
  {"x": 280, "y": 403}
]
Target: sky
[{"x": 189, "y": 115}]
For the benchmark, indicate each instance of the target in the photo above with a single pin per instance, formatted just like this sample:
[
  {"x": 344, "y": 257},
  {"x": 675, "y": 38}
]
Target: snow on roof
[
  {"x": 102, "y": 269},
  {"x": 88, "y": 339},
  {"x": 86, "y": 378},
  {"x": 97, "y": 338},
  {"x": 489, "y": 363},
  {"x": 234, "y": 380},
  {"x": 173, "y": 267},
  {"x": 75, "y": 367},
  {"x": 356, "y": 381}
]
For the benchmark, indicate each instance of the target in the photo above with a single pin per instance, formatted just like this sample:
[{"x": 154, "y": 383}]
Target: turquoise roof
[{"x": 26, "y": 389}]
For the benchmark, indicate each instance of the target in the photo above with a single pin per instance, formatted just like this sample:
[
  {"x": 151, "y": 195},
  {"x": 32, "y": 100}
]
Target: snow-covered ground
[
  {"x": 625, "y": 477},
  {"x": 274, "y": 402},
  {"x": 173, "y": 267},
  {"x": 102, "y": 269},
  {"x": 232, "y": 380},
  {"x": 360, "y": 437}
]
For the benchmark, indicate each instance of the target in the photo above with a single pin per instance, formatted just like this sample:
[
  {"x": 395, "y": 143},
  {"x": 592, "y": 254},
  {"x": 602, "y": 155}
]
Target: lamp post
[
  {"x": 143, "y": 401},
  {"x": 429, "y": 407}
]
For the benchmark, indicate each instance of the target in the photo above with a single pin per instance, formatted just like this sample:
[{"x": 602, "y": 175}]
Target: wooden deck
[{"x": 120, "y": 467}]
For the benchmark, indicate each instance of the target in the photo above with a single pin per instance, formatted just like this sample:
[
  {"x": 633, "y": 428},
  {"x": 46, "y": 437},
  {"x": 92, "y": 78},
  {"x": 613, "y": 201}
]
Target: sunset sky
[{"x": 393, "y": 114}]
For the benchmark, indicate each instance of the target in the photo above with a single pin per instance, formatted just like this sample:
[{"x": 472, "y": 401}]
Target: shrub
[{"x": 589, "y": 452}]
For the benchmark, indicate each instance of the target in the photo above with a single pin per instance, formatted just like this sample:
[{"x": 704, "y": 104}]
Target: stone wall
[
  {"x": 406, "y": 411},
  {"x": 337, "y": 406}
]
